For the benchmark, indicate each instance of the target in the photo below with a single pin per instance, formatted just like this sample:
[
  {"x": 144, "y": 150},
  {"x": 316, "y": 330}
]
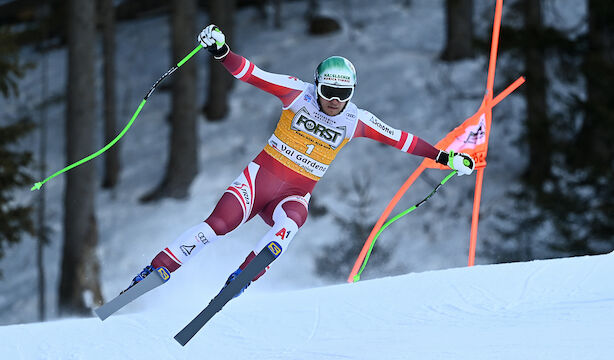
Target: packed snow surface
[{"x": 550, "y": 309}]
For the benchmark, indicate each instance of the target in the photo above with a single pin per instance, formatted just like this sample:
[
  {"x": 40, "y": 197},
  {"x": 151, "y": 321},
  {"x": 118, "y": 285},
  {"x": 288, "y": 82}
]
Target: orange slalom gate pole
[
  {"x": 382, "y": 219},
  {"x": 475, "y": 216},
  {"x": 477, "y": 197},
  {"x": 489, "y": 102},
  {"x": 494, "y": 48},
  {"x": 513, "y": 86}
]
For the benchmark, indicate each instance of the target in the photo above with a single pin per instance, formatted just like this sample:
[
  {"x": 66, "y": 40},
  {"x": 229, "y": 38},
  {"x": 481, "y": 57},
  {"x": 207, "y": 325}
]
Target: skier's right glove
[
  {"x": 461, "y": 162},
  {"x": 213, "y": 39}
]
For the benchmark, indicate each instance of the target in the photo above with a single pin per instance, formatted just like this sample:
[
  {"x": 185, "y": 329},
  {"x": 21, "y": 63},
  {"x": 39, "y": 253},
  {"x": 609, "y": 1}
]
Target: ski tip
[
  {"x": 36, "y": 186},
  {"x": 274, "y": 248}
]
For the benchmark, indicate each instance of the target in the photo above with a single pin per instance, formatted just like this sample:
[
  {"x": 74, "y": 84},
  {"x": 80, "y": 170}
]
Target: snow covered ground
[{"x": 553, "y": 309}]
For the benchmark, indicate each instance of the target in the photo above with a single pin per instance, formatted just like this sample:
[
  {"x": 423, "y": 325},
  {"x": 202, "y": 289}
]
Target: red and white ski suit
[{"x": 277, "y": 184}]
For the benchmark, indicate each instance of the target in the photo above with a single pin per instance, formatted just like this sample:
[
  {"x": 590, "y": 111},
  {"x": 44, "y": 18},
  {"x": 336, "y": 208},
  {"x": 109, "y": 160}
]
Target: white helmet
[{"x": 336, "y": 71}]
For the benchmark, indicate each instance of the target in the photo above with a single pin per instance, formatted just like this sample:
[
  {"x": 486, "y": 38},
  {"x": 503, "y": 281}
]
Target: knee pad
[{"x": 297, "y": 207}]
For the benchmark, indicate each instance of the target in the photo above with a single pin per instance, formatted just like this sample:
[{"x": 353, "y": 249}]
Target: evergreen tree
[
  {"x": 14, "y": 219},
  {"x": 10, "y": 68}
]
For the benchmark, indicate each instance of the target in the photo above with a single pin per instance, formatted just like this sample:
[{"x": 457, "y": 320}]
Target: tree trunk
[
  {"x": 538, "y": 123},
  {"x": 42, "y": 231},
  {"x": 80, "y": 268},
  {"x": 182, "y": 166},
  {"x": 459, "y": 30},
  {"x": 220, "y": 81},
  {"x": 111, "y": 159},
  {"x": 595, "y": 138},
  {"x": 313, "y": 9},
  {"x": 277, "y": 14}
]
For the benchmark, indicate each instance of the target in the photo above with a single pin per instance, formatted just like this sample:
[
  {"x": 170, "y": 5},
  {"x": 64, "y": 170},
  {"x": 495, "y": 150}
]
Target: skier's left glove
[
  {"x": 461, "y": 162},
  {"x": 213, "y": 39}
]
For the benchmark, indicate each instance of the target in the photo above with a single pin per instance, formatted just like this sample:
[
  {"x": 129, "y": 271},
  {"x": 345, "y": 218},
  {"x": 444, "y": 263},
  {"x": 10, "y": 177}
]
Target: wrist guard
[
  {"x": 442, "y": 157},
  {"x": 219, "y": 54}
]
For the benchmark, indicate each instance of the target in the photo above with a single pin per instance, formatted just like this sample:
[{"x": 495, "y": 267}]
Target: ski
[
  {"x": 149, "y": 283},
  {"x": 259, "y": 263}
]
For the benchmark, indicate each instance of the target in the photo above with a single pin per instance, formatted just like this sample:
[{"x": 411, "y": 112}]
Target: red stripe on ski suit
[{"x": 173, "y": 255}]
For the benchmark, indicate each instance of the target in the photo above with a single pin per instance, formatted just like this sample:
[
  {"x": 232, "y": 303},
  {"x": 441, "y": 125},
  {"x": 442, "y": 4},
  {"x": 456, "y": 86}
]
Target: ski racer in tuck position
[{"x": 317, "y": 120}]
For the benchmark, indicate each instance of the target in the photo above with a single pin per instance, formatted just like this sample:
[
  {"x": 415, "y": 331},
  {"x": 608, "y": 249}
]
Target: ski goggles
[{"x": 330, "y": 93}]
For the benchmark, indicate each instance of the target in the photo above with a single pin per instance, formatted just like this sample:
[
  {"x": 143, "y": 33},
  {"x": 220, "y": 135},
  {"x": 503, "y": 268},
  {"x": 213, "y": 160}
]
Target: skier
[{"x": 317, "y": 120}]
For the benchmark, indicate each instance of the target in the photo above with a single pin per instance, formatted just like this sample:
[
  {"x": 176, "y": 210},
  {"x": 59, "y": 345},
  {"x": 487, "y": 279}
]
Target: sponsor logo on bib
[{"x": 330, "y": 135}]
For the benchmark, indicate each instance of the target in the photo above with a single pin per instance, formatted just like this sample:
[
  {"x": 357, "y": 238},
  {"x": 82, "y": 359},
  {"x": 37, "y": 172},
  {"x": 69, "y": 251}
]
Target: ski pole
[
  {"x": 39, "y": 184},
  {"x": 364, "y": 264}
]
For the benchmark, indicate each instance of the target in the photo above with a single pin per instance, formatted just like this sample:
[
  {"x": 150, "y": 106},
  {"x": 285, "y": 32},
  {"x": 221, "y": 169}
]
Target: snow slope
[{"x": 552, "y": 309}]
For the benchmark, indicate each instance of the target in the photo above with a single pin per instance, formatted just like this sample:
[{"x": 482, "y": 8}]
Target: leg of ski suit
[
  {"x": 281, "y": 199},
  {"x": 288, "y": 216}
]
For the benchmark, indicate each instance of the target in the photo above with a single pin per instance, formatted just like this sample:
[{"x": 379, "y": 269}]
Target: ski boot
[
  {"x": 234, "y": 275},
  {"x": 142, "y": 275},
  {"x": 231, "y": 278}
]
